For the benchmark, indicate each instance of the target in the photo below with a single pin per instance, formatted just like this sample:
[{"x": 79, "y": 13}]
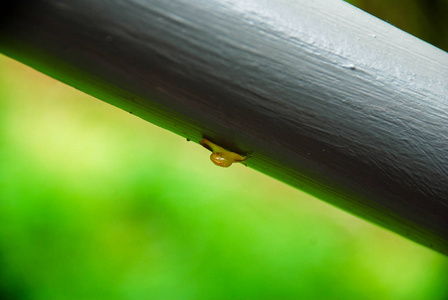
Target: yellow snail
[{"x": 220, "y": 156}]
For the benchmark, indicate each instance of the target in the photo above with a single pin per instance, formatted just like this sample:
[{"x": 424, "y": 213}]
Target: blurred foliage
[
  {"x": 98, "y": 204},
  {"x": 425, "y": 19}
]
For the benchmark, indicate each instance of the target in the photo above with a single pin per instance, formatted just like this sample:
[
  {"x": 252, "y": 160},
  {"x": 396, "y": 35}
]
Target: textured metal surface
[{"x": 327, "y": 98}]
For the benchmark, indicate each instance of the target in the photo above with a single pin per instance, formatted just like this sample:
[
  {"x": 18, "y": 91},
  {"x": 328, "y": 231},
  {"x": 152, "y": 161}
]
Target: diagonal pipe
[{"x": 324, "y": 96}]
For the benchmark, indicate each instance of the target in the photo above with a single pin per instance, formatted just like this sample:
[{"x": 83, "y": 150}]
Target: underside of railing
[{"x": 324, "y": 96}]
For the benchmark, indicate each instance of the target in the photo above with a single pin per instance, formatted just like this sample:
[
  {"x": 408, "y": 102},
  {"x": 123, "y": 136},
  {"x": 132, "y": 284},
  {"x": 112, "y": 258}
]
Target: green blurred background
[{"x": 96, "y": 203}]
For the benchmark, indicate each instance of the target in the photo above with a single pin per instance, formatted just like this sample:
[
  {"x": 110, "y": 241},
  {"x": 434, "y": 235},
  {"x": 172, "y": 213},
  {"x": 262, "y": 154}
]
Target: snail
[{"x": 220, "y": 156}]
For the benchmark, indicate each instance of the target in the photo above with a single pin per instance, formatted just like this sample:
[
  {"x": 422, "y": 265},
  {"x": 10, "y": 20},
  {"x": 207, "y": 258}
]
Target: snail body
[{"x": 220, "y": 156}]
